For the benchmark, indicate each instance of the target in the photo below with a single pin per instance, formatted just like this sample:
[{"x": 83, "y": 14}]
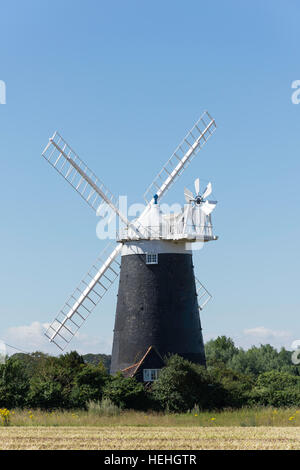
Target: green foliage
[
  {"x": 183, "y": 384},
  {"x": 260, "y": 375},
  {"x": 257, "y": 360},
  {"x": 126, "y": 393},
  {"x": 275, "y": 380},
  {"x": 88, "y": 385},
  {"x": 236, "y": 387},
  {"x": 220, "y": 351},
  {"x": 233, "y": 378},
  {"x": 51, "y": 386},
  {"x": 252, "y": 362},
  {"x": 275, "y": 388},
  {"x": 14, "y": 384},
  {"x": 30, "y": 362},
  {"x": 66, "y": 382},
  {"x": 96, "y": 359}
]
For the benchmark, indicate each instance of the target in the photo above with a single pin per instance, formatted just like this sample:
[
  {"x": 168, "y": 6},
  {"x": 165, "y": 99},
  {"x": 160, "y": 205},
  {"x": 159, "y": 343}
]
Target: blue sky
[{"x": 123, "y": 81}]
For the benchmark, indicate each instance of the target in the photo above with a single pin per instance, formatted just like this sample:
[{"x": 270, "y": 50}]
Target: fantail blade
[
  {"x": 208, "y": 207},
  {"x": 207, "y": 191},
  {"x": 188, "y": 195},
  {"x": 197, "y": 185}
]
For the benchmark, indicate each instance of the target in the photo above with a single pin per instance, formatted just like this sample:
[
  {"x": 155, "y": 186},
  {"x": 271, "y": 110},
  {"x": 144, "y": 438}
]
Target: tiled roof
[{"x": 132, "y": 370}]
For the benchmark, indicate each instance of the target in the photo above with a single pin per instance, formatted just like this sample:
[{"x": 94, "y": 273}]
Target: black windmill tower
[{"x": 159, "y": 297}]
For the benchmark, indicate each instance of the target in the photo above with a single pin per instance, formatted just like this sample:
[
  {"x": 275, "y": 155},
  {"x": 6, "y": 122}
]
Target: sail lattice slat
[{"x": 202, "y": 293}]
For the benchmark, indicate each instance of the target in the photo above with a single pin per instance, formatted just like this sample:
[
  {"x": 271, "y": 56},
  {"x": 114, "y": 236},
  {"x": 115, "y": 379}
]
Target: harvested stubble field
[
  {"x": 149, "y": 438},
  {"x": 244, "y": 429}
]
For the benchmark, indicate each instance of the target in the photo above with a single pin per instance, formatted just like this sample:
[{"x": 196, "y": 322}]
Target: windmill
[{"x": 159, "y": 297}]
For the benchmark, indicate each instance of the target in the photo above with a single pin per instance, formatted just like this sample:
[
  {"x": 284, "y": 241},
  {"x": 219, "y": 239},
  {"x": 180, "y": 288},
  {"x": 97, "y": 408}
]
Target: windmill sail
[
  {"x": 61, "y": 156},
  {"x": 182, "y": 156},
  {"x": 84, "y": 299}
]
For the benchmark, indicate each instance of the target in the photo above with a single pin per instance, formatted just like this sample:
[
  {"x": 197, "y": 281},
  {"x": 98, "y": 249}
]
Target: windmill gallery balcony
[{"x": 169, "y": 231}]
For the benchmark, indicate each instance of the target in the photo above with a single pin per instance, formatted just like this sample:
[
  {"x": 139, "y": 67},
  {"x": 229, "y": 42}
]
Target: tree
[
  {"x": 220, "y": 351},
  {"x": 236, "y": 386},
  {"x": 50, "y": 386},
  {"x": 182, "y": 385},
  {"x": 96, "y": 359},
  {"x": 14, "y": 384},
  {"x": 264, "y": 358},
  {"x": 276, "y": 380},
  {"x": 31, "y": 361},
  {"x": 64, "y": 382},
  {"x": 126, "y": 392},
  {"x": 88, "y": 385},
  {"x": 276, "y": 388}
]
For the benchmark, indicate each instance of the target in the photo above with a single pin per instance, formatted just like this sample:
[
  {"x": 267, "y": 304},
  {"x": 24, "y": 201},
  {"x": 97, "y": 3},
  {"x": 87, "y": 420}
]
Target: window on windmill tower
[
  {"x": 151, "y": 258},
  {"x": 149, "y": 375}
]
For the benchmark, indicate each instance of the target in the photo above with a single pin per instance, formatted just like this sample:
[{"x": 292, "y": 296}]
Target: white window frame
[
  {"x": 151, "y": 258},
  {"x": 150, "y": 375}
]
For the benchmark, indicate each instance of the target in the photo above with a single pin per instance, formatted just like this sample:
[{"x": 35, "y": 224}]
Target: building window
[
  {"x": 151, "y": 258},
  {"x": 149, "y": 375}
]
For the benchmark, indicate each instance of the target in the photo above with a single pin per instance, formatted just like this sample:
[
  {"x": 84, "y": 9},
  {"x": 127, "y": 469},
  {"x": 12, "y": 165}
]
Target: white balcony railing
[{"x": 166, "y": 231}]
